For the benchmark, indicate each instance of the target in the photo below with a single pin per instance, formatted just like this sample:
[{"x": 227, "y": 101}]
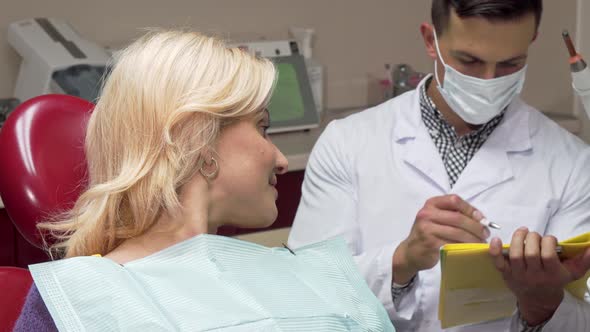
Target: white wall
[{"x": 354, "y": 38}]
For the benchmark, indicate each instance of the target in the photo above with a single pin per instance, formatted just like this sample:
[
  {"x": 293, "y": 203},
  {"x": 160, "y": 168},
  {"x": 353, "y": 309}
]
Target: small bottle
[
  {"x": 386, "y": 83},
  {"x": 401, "y": 79}
]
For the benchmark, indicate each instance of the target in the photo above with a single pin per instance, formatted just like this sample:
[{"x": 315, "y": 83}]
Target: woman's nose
[{"x": 282, "y": 164}]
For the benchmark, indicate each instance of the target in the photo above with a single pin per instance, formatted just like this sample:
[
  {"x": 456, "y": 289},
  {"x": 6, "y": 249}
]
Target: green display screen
[{"x": 286, "y": 103}]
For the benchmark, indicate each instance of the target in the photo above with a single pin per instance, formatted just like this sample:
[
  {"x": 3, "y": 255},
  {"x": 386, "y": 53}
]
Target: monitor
[{"x": 292, "y": 106}]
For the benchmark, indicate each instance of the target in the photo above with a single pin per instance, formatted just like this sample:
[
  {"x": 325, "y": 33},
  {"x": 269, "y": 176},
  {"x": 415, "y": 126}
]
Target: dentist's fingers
[{"x": 516, "y": 253}]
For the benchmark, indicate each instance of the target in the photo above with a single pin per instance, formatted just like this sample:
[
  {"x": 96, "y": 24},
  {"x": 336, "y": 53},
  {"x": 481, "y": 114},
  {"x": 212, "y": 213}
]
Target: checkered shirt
[{"x": 455, "y": 151}]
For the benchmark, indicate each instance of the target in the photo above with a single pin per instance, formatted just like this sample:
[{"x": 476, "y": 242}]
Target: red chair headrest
[{"x": 43, "y": 168}]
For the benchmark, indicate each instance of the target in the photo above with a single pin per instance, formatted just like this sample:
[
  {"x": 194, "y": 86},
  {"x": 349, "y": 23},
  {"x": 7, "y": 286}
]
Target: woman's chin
[
  {"x": 265, "y": 222},
  {"x": 261, "y": 220},
  {"x": 259, "y": 223}
]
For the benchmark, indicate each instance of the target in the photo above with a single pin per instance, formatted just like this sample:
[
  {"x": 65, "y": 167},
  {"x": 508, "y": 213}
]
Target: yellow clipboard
[{"x": 473, "y": 291}]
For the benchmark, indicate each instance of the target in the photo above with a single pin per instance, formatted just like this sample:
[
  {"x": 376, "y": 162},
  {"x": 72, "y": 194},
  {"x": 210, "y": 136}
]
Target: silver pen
[{"x": 489, "y": 224}]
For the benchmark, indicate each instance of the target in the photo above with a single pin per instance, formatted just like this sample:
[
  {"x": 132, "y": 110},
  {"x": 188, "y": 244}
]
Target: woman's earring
[{"x": 210, "y": 175}]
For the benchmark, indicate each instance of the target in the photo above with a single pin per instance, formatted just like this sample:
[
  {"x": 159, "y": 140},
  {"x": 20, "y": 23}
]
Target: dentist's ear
[
  {"x": 535, "y": 36},
  {"x": 427, "y": 31}
]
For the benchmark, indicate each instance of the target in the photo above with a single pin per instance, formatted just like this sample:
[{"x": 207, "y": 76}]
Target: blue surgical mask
[{"x": 477, "y": 100}]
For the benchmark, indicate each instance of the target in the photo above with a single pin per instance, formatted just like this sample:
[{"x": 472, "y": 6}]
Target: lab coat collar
[
  {"x": 511, "y": 135},
  {"x": 409, "y": 120},
  {"x": 514, "y": 132}
]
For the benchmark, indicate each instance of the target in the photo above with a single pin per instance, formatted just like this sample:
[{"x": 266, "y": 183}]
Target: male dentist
[{"x": 402, "y": 179}]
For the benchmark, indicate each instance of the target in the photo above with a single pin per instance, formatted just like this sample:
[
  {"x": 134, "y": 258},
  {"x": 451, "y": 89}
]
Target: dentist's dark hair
[{"x": 492, "y": 10}]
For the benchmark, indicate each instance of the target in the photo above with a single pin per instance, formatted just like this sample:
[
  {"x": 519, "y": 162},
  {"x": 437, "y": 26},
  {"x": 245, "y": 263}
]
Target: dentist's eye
[
  {"x": 509, "y": 65},
  {"x": 469, "y": 62}
]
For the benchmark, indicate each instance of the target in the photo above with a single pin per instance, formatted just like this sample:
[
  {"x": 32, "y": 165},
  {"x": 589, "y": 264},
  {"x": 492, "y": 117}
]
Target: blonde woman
[{"x": 176, "y": 147}]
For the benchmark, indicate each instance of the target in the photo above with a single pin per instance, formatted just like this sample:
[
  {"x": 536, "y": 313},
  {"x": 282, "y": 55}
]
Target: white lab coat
[{"x": 370, "y": 173}]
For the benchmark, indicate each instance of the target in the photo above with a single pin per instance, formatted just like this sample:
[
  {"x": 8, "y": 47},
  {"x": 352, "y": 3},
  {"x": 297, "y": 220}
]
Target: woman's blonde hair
[{"x": 163, "y": 103}]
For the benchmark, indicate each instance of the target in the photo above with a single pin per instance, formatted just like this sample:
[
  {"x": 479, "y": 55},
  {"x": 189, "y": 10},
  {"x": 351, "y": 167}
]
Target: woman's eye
[{"x": 264, "y": 129}]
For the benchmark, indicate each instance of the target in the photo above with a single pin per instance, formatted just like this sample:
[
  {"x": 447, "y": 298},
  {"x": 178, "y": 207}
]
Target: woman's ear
[{"x": 208, "y": 165}]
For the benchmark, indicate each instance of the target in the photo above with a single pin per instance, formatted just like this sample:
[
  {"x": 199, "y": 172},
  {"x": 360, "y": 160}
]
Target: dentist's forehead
[{"x": 492, "y": 41}]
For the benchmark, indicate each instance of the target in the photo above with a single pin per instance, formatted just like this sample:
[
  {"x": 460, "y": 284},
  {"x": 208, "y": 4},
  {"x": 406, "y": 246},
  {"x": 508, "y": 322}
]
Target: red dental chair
[{"x": 42, "y": 171}]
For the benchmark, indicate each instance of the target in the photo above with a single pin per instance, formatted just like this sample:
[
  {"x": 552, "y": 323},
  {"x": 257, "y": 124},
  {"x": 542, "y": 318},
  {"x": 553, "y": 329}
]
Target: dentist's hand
[
  {"x": 442, "y": 220},
  {"x": 534, "y": 273}
]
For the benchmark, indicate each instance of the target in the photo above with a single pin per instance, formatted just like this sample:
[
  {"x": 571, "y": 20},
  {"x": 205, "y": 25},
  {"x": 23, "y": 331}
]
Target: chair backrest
[
  {"x": 43, "y": 168},
  {"x": 14, "y": 285}
]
